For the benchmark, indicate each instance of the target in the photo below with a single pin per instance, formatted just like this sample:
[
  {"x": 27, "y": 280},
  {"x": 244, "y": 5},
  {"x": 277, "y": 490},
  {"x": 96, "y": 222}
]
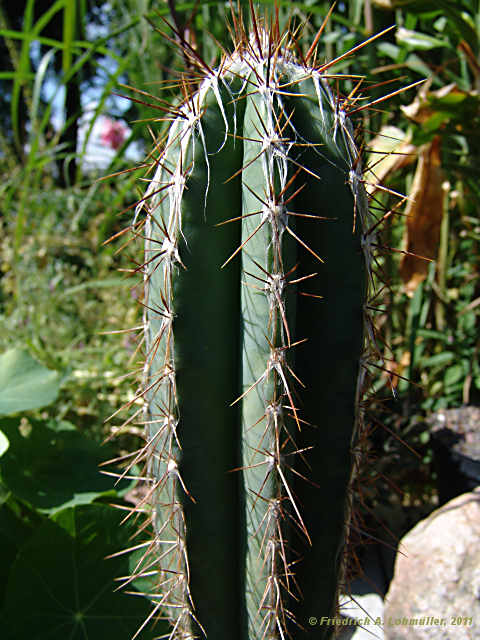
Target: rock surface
[{"x": 435, "y": 591}]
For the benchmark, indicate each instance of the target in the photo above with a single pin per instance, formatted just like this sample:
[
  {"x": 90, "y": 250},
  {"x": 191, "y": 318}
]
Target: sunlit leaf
[
  {"x": 392, "y": 4},
  {"x": 25, "y": 383},
  {"x": 4, "y": 443},
  {"x": 417, "y": 40}
]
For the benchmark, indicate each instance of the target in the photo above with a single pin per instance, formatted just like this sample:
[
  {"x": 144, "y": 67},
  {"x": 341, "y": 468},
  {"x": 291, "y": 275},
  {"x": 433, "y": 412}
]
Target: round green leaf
[
  {"x": 15, "y": 528},
  {"x": 62, "y": 586},
  {"x": 25, "y": 383},
  {"x": 54, "y": 468}
]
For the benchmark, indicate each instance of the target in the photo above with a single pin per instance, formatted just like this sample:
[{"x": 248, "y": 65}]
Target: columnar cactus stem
[{"x": 257, "y": 279}]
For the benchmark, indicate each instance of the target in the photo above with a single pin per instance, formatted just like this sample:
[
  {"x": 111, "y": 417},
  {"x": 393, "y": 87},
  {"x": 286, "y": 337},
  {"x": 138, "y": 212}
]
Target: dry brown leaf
[
  {"x": 397, "y": 369},
  {"x": 391, "y": 151},
  {"x": 424, "y": 211},
  {"x": 420, "y": 110}
]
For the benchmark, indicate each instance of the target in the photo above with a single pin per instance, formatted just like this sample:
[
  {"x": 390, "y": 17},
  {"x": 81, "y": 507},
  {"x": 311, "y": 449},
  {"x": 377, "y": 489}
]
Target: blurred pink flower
[{"x": 113, "y": 133}]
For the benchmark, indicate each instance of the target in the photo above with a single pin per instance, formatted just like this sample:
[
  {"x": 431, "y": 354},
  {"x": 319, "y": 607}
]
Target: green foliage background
[{"x": 61, "y": 289}]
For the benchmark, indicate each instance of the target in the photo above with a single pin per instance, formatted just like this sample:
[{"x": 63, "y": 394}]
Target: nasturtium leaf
[
  {"x": 62, "y": 586},
  {"x": 15, "y": 528},
  {"x": 25, "y": 383},
  {"x": 54, "y": 467}
]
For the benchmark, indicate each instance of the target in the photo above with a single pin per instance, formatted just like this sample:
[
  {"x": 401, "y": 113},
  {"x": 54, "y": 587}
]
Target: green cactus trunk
[{"x": 256, "y": 282}]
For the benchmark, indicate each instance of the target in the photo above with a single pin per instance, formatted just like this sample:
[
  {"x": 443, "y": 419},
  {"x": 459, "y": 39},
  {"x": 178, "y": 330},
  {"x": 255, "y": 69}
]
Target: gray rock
[{"x": 436, "y": 584}]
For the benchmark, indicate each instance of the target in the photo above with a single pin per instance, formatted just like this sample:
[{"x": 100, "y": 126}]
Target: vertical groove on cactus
[{"x": 258, "y": 278}]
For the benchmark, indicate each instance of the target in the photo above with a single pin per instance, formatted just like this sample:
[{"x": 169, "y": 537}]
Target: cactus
[{"x": 257, "y": 281}]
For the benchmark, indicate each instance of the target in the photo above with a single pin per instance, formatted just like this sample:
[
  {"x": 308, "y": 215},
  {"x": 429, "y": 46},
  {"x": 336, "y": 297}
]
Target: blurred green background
[{"x": 70, "y": 302}]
